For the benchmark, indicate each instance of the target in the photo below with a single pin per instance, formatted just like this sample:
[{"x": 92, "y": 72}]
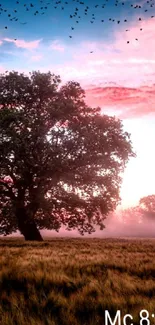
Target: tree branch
[{"x": 9, "y": 192}]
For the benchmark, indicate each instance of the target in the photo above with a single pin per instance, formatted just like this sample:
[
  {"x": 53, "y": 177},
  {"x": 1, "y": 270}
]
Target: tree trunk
[{"x": 27, "y": 225}]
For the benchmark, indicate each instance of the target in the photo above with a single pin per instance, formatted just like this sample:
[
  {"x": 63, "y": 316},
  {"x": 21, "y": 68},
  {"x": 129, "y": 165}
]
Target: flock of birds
[{"x": 13, "y": 16}]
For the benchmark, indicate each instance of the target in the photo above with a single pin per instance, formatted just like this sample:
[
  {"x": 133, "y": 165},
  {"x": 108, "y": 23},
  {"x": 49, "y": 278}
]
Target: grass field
[{"x": 73, "y": 281}]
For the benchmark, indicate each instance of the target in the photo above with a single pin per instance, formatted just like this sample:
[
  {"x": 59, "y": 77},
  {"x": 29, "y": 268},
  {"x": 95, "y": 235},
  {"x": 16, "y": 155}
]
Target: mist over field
[{"x": 114, "y": 227}]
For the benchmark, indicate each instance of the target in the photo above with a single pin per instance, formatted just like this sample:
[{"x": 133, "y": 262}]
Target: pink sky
[{"x": 129, "y": 93}]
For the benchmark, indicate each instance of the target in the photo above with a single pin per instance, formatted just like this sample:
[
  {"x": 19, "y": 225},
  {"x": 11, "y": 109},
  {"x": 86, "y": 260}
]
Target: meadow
[{"x": 72, "y": 281}]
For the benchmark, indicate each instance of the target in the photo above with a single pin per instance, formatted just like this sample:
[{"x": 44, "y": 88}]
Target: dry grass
[{"x": 73, "y": 281}]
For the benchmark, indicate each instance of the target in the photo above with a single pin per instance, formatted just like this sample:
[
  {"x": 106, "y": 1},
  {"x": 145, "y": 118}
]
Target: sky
[{"x": 118, "y": 76}]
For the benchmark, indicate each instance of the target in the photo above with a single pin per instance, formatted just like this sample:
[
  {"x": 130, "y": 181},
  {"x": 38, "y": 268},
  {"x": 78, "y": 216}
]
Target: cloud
[
  {"x": 129, "y": 64},
  {"x": 118, "y": 76},
  {"x": 56, "y": 45},
  {"x": 129, "y": 102},
  {"x": 29, "y": 45},
  {"x": 116, "y": 62},
  {"x": 2, "y": 69},
  {"x": 36, "y": 58}
]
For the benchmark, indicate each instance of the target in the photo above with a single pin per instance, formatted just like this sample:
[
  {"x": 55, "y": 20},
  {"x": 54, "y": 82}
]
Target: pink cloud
[
  {"x": 128, "y": 102},
  {"x": 128, "y": 64},
  {"x": 29, "y": 45}
]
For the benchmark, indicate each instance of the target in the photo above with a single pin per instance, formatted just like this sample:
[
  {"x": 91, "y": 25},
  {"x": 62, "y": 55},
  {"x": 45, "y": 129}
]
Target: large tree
[{"x": 61, "y": 161}]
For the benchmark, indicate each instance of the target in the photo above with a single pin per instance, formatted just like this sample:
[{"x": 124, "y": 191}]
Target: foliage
[
  {"x": 63, "y": 158},
  {"x": 147, "y": 207}
]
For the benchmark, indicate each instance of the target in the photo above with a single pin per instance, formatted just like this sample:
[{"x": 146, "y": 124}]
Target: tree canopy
[
  {"x": 147, "y": 207},
  {"x": 60, "y": 160}
]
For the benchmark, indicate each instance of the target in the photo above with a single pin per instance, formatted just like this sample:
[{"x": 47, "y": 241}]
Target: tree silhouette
[
  {"x": 60, "y": 160},
  {"x": 147, "y": 207}
]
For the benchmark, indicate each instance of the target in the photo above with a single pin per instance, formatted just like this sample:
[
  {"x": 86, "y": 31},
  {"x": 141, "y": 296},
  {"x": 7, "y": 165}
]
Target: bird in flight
[{"x": 81, "y": 10}]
